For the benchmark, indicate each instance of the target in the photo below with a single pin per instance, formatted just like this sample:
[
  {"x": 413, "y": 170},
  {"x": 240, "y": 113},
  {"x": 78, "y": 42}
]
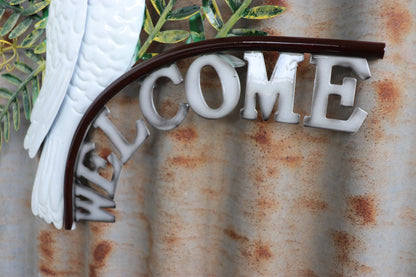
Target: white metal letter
[
  {"x": 323, "y": 88},
  {"x": 282, "y": 84}
]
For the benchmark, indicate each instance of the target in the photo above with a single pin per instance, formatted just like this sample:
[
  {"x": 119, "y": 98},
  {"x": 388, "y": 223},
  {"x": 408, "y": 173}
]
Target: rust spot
[
  {"x": 187, "y": 162},
  {"x": 171, "y": 239},
  {"x": 185, "y": 134},
  {"x": 398, "y": 21},
  {"x": 314, "y": 205},
  {"x": 234, "y": 235},
  {"x": 291, "y": 161},
  {"x": 389, "y": 99},
  {"x": 46, "y": 245},
  {"x": 308, "y": 273},
  {"x": 257, "y": 252},
  {"x": 345, "y": 244},
  {"x": 362, "y": 210},
  {"x": 105, "y": 152},
  {"x": 261, "y": 137},
  {"x": 46, "y": 271},
  {"x": 101, "y": 251},
  {"x": 263, "y": 252}
]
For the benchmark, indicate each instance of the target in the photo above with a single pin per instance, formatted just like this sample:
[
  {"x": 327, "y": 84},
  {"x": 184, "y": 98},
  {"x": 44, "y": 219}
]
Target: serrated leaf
[
  {"x": 27, "y": 107},
  {"x": 5, "y": 93},
  {"x": 16, "y": 2},
  {"x": 35, "y": 8},
  {"x": 34, "y": 57},
  {"x": 35, "y": 89},
  {"x": 183, "y": 13},
  {"x": 32, "y": 37},
  {"x": 6, "y": 127},
  {"x": 11, "y": 78},
  {"x": 41, "y": 24},
  {"x": 246, "y": 32},
  {"x": 148, "y": 24},
  {"x": 16, "y": 114},
  {"x": 158, "y": 5},
  {"x": 196, "y": 26},
  {"x": 232, "y": 4},
  {"x": 23, "y": 67},
  {"x": 21, "y": 28},
  {"x": 41, "y": 48},
  {"x": 212, "y": 13},
  {"x": 263, "y": 12},
  {"x": 9, "y": 24},
  {"x": 171, "y": 36}
]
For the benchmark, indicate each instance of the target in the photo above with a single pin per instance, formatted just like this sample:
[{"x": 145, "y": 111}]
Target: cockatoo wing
[{"x": 64, "y": 33}]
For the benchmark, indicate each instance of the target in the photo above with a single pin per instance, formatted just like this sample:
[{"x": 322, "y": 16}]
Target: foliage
[
  {"x": 22, "y": 31},
  {"x": 22, "y": 28},
  {"x": 196, "y": 15}
]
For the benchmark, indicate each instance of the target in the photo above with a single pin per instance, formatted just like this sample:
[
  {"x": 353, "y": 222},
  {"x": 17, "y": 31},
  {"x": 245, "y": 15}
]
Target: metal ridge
[{"x": 264, "y": 43}]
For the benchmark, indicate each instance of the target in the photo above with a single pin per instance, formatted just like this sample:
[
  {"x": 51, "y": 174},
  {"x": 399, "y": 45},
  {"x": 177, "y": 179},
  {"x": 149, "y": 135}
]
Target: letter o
[{"x": 230, "y": 83}]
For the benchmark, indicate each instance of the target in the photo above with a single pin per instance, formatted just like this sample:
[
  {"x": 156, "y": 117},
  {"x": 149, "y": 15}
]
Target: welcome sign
[{"x": 87, "y": 193}]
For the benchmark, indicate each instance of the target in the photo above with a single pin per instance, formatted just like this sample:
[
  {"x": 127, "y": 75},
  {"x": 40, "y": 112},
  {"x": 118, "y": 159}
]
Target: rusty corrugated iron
[{"x": 233, "y": 197}]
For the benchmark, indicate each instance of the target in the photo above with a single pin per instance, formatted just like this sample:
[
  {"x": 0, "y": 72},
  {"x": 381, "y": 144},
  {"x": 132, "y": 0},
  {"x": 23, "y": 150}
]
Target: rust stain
[
  {"x": 184, "y": 134},
  {"x": 46, "y": 271},
  {"x": 408, "y": 214},
  {"x": 257, "y": 253},
  {"x": 101, "y": 251},
  {"x": 362, "y": 210},
  {"x": 234, "y": 235},
  {"x": 345, "y": 244},
  {"x": 292, "y": 161},
  {"x": 100, "y": 254},
  {"x": 312, "y": 204},
  {"x": 46, "y": 245},
  {"x": 105, "y": 152},
  {"x": 262, "y": 136},
  {"x": 398, "y": 20},
  {"x": 187, "y": 161},
  {"x": 308, "y": 273}
]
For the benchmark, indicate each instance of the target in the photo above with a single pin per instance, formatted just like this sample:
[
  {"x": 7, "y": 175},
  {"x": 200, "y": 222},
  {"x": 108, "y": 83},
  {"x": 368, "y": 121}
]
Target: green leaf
[
  {"x": 6, "y": 126},
  {"x": 11, "y": 78},
  {"x": 196, "y": 26},
  {"x": 233, "y": 6},
  {"x": 171, "y": 36},
  {"x": 35, "y": 8},
  {"x": 35, "y": 89},
  {"x": 183, "y": 13},
  {"x": 1, "y": 137},
  {"x": 212, "y": 13},
  {"x": 246, "y": 32},
  {"x": 5, "y": 93},
  {"x": 263, "y": 12},
  {"x": 27, "y": 107},
  {"x": 41, "y": 48},
  {"x": 148, "y": 24},
  {"x": 32, "y": 37},
  {"x": 34, "y": 57},
  {"x": 1, "y": 15},
  {"x": 23, "y": 67},
  {"x": 158, "y": 5},
  {"x": 41, "y": 24},
  {"x": 148, "y": 56},
  {"x": 16, "y": 114},
  {"x": 21, "y": 28},
  {"x": 16, "y": 2},
  {"x": 9, "y": 24}
]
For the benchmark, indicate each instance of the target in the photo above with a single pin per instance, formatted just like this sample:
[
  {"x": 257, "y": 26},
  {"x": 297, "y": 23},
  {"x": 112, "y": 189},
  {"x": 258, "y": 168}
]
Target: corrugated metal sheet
[{"x": 233, "y": 197}]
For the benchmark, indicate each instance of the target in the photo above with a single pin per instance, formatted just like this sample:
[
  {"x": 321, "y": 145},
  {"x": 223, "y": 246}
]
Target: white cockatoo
[{"x": 89, "y": 44}]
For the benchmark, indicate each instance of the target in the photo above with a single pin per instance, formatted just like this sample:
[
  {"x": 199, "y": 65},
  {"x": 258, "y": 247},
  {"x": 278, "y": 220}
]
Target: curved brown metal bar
[{"x": 287, "y": 44}]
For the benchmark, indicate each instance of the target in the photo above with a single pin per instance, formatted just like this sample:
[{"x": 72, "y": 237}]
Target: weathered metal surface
[{"x": 233, "y": 197}]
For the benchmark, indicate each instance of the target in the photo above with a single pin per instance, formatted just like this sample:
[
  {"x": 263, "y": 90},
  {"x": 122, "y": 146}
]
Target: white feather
[{"x": 111, "y": 33}]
